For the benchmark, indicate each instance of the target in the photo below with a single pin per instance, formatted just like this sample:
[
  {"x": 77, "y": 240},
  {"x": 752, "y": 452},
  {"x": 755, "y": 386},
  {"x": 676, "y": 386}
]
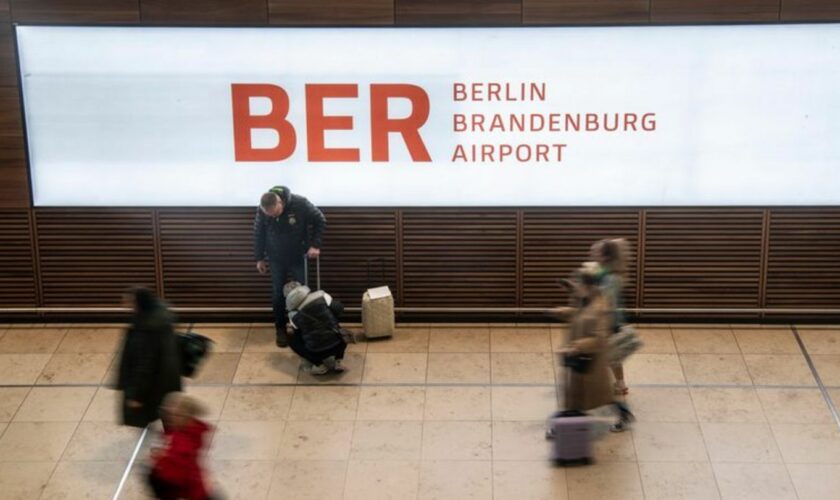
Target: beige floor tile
[
  {"x": 21, "y": 369},
  {"x": 460, "y": 340},
  {"x": 55, "y": 404},
  {"x": 391, "y": 403},
  {"x": 354, "y": 364},
  {"x": 316, "y": 440},
  {"x": 10, "y": 400},
  {"x": 669, "y": 442},
  {"x": 258, "y": 403},
  {"x": 656, "y": 341},
  {"x": 308, "y": 480},
  {"x": 521, "y": 368},
  {"x": 520, "y": 440},
  {"x": 219, "y": 368},
  {"x": 765, "y": 341},
  {"x": 31, "y": 341},
  {"x": 102, "y": 442},
  {"x": 261, "y": 339},
  {"x": 828, "y": 368},
  {"x": 444, "y": 480},
  {"x": 459, "y": 368},
  {"x": 519, "y": 340},
  {"x": 523, "y": 403},
  {"x": 588, "y": 483},
  {"x": 815, "y": 482},
  {"x": 211, "y": 397},
  {"x": 24, "y": 480},
  {"x": 835, "y": 397},
  {"x": 92, "y": 340},
  {"x": 457, "y": 403},
  {"x": 383, "y": 440},
  {"x": 723, "y": 369},
  {"x": 395, "y": 368},
  {"x": 615, "y": 447},
  {"x": 225, "y": 339},
  {"x": 73, "y": 480},
  {"x": 808, "y": 443},
  {"x": 741, "y": 443},
  {"x": 754, "y": 482},
  {"x": 727, "y": 405},
  {"x": 679, "y": 481},
  {"x": 779, "y": 369},
  {"x": 105, "y": 406},
  {"x": 794, "y": 406},
  {"x": 559, "y": 337},
  {"x": 382, "y": 480},
  {"x": 653, "y": 369},
  {"x": 324, "y": 403},
  {"x": 241, "y": 440},
  {"x": 820, "y": 341},
  {"x": 240, "y": 479},
  {"x": 78, "y": 368},
  {"x": 457, "y": 440},
  {"x": 414, "y": 340},
  {"x": 705, "y": 341},
  {"x": 35, "y": 441},
  {"x": 528, "y": 480},
  {"x": 267, "y": 368},
  {"x": 661, "y": 404}
]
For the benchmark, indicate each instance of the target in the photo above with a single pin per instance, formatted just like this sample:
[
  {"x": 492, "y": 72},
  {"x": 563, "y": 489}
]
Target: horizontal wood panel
[
  {"x": 76, "y": 11},
  {"x": 702, "y": 258},
  {"x": 460, "y": 12},
  {"x": 90, "y": 257},
  {"x": 204, "y": 11},
  {"x": 17, "y": 273},
  {"x": 803, "y": 264},
  {"x": 14, "y": 182},
  {"x": 346, "y": 12},
  {"x": 677, "y": 11},
  {"x": 208, "y": 258},
  {"x": 810, "y": 10},
  {"x": 585, "y": 11},
  {"x": 459, "y": 257},
  {"x": 556, "y": 242}
]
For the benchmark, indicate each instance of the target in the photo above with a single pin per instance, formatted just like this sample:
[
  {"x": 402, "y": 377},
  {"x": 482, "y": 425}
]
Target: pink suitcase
[{"x": 572, "y": 433}]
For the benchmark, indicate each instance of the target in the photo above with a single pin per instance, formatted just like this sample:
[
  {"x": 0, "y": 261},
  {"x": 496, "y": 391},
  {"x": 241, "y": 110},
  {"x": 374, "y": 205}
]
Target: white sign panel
[{"x": 590, "y": 116}]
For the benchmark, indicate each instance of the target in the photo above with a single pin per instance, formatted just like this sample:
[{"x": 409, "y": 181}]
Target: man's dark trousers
[{"x": 283, "y": 271}]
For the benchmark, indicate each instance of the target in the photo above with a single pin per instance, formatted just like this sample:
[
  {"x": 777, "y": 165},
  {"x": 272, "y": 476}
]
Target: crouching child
[{"x": 316, "y": 334}]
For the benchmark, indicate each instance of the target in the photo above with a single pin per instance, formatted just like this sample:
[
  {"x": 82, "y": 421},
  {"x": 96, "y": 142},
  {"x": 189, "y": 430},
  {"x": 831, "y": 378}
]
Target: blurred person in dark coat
[{"x": 150, "y": 363}]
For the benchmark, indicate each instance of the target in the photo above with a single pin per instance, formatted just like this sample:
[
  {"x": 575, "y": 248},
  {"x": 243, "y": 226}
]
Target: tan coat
[{"x": 588, "y": 332}]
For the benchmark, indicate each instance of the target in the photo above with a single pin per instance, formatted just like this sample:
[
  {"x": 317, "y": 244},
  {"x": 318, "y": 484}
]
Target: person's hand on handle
[
  {"x": 262, "y": 266},
  {"x": 313, "y": 252}
]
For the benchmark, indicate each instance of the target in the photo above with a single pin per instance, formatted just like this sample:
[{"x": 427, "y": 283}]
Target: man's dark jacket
[{"x": 287, "y": 238}]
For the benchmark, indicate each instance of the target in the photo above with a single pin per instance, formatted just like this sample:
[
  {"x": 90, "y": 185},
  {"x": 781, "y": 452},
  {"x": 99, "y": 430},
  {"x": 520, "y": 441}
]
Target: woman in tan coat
[{"x": 589, "y": 331}]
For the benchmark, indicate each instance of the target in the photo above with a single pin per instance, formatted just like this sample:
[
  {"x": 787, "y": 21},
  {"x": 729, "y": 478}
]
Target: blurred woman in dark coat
[{"x": 150, "y": 364}]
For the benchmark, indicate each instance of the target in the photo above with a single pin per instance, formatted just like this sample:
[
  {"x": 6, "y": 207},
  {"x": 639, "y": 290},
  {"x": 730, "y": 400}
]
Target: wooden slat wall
[
  {"x": 459, "y": 12},
  {"x": 242, "y": 12},
  {"x": 339, "y": 12},
  {"x": 76, "y": 11},
  {"x": 585, "y": 11},
  {"x": 17, "y": 273},
  {"x": 803, "y": 268},
  {"x": 555, "y": 242},
  {"x": 459, "y": 257},
  {"x": 360, "y": 251},
  {"x": 810, "y": 10},
  {"x": 90, "y": 257},
  {"x": 207, "y": 258},
  {"x": 702, "y": 258},
  {"x": 681, "y": 11}
]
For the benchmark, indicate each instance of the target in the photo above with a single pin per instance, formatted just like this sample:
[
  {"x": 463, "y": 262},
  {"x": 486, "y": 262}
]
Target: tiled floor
[{"x": 438, "y": 412}]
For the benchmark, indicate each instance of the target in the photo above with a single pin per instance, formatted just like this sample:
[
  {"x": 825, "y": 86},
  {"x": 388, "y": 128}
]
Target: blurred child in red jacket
[{"x": 176, "y": 473}]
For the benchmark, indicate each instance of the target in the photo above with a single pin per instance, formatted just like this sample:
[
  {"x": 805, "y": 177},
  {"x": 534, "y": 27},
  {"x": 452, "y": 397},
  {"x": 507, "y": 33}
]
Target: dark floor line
[{"x": 823, "y": 389}]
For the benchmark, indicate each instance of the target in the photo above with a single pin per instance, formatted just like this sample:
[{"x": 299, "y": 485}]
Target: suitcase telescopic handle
[{"x": 317, "y": 271}]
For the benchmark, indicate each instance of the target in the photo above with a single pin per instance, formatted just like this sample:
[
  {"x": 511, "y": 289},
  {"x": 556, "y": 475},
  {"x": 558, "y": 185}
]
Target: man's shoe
[
  {"x": 318, "y": 370},
  {"x": 282, "y": 339}
]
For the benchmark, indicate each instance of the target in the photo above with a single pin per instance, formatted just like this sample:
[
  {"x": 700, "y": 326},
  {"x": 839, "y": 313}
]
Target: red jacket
[{"x": 178, "y": 466}]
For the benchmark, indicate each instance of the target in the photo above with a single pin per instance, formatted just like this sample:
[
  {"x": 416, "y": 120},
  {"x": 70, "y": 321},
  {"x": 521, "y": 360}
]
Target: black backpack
[{"x": 193, "y": 348}]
